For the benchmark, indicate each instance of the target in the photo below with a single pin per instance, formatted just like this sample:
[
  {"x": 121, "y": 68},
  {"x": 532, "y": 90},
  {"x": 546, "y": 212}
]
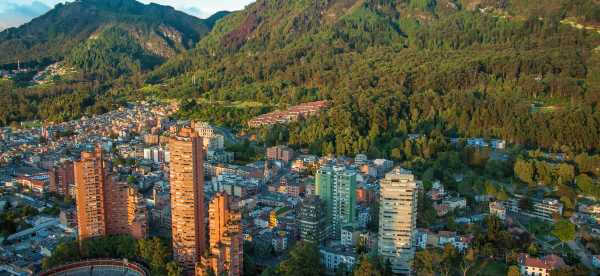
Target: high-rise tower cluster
[
  {"x": 223, "y": 252},
  {"x": 104, "y": 201}
]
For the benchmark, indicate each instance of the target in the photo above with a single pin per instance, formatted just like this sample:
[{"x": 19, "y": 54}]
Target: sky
[{"x": 16, "y": 12}]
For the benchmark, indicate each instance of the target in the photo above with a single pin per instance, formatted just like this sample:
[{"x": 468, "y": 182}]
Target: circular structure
[{"x": 101, "y": 267}]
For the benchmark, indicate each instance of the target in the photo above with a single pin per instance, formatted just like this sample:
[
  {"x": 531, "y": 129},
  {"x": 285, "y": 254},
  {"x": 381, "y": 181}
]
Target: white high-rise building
[{"x": 398, "y": 219}]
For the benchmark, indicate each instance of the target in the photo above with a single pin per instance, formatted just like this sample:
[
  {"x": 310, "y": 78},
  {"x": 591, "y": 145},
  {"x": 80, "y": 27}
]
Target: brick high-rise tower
[
  {"x": 225, "y": 236},
  {"x": 89, "y": 189},
  {"x": 62, "y": 178},
  {"x": 187, "y": 198},
  {"x": 106, "y": 204},
  {"x": 218, "y": 216},
  {"x": 137, "y": 214}
]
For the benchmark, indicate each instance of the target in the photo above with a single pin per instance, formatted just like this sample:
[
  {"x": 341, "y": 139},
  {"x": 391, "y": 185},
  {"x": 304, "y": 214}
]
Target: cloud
[
  {"x": 196, "y": 12},
  {"x": 13, "y": 14}
]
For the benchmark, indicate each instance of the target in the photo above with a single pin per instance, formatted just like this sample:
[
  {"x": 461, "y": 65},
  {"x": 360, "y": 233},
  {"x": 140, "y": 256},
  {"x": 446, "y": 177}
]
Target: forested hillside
[
  {"x": 524, "y": 71},
  {"x": 443, "y": 68},
  {"x": 110, "y": 44},
  {"x": 160, "y": 30}
]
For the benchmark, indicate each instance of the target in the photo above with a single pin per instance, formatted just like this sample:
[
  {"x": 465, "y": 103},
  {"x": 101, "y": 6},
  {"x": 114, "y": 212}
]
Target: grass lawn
[{"x": 488, "y": 268}]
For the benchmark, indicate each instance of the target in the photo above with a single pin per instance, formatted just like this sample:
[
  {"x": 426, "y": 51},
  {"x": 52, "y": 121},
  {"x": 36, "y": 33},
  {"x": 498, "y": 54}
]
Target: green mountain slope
[
  {"x": 110, "y": 43},
  {"x": 160, "y": 30},
  {"x": 451, "y": 68}
]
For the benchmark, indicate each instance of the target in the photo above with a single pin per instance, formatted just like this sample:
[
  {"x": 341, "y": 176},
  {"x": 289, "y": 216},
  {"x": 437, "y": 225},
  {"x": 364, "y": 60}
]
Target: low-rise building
[
  {"x": 532, "y": 266},
  {"x": 596, "y": 261},
  {"x": 282, "y": 153},
  {"x": 336, "y": 256},
  {"x": 543, "y": 209},
  {"x": 497, "y": 209}
]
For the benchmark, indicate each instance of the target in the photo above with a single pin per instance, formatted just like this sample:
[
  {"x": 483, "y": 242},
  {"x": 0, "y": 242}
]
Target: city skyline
[{"x": 287, "y": 137}]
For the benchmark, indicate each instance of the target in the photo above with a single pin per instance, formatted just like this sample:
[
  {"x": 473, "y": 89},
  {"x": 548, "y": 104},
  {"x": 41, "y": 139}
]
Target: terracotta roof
[{"x": 547, "y": 262}]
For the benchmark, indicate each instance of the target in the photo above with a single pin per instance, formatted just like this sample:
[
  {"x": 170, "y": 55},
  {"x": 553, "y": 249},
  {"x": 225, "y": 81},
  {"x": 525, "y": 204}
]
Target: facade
[
  {"x": 115, "y": 205},
  {"x": 360, "y": 159},
  {"x": 336, "y": 186},
  {"x": 596, "y": 261},
  {"x": 212, "y": 141},
  {"x": 350, "y": 235},
  {"x": 137, "y": 214},
  {"x": 62, "y": 179},
  {"x": 344, "y": 200},
  {"x": 543, "y": 209},
  {"x": 335, "y": 256},
  {"x": 313, "y": 226},
  {"x": 218, "y": 217},
  {"x": 187, "y": 198},
  {"x": 37, "y": 183},
  {"x": 398, "y": 220},
  {"x": 225, "y": 239},
  {"x": 106, "y": 205},
  {"x": 294, "y": 113},
  {"x": 532, "y": 266},
  {"x": 498, "y": 209},
  {"x": 89, "y": 185},
  {"x": 282, "y": 153}
]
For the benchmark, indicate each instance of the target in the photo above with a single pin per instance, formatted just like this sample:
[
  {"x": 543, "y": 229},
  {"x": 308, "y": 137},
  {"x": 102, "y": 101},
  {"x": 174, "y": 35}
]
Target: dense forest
[
  {"x": 397, "y": 67},
  {"x": 515, "y": 70},
  {"x": 111, "y": 44},
  {"x": 53, "y": 35}
]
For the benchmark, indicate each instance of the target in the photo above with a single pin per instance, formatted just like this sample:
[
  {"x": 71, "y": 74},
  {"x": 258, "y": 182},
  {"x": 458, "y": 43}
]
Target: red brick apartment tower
[
  {"x": 115, "y": 206},
  {"x": 218, "y": 218},
  {"x": 137, "y": 214},
  {"x": 187, "y": 198},
  {"x": 62, "y": 178},
  {"x": 89, "y": 190},
  {"x": 225, "y": 236}
]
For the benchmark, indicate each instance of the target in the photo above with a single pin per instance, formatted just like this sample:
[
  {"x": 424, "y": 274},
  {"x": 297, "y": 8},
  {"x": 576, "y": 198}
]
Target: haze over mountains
[{"x": 159, "y": 30}]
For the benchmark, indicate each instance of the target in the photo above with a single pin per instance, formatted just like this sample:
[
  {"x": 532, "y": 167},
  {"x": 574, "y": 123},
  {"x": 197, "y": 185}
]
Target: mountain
[
  {"x": 160, "y": 31},
  {"x": 523, "y": 71}
]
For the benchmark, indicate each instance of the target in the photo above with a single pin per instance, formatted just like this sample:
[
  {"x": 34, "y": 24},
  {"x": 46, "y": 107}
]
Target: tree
[
  {"x": 270, "y": 271},
  {"x": 490, "y": 189},
  {"x": 586, "y": 185},
  {"x": 173, "y": 269},
  {"x": 577, "y": 270},
  {"x": 502, "y": 195},
  {"x": 366, "y": 267},
  {"x": 468, "y": 261},
  {"x": 564, "y": 230},
  {"x": 525, "y": 171},
  {"x": 63, "y": 253},
  {"x": 155, "y": 252},
  {"x": 513, "y": 270},
  {"x": 303, "y": 260},
  {"x": 565, "y": 173},
  {"x": 427, "y": 262},
  {"x": 532, "y": 249}
]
